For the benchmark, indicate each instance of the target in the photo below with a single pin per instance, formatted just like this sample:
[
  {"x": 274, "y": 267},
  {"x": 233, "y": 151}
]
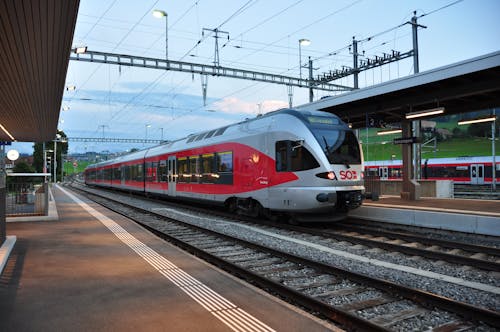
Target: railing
[
  {"x": 26, "y": 195},
  {"x": 2, "y": 211},
  {"x": 372, "y": 186}
]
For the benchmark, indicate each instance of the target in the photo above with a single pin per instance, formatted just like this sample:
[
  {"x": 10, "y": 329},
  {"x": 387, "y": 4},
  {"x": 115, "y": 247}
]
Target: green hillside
[
  {"x": 385, "y": 149},
  {"x": 451, "y": 139}
]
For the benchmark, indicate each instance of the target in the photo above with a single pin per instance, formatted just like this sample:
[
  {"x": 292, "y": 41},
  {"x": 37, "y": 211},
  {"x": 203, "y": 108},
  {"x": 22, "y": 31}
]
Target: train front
[{"x": 337, "y": 185}]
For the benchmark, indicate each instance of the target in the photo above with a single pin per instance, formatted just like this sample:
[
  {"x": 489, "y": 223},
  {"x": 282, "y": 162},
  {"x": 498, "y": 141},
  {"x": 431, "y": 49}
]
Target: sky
[{"x": 126, "y": 102}]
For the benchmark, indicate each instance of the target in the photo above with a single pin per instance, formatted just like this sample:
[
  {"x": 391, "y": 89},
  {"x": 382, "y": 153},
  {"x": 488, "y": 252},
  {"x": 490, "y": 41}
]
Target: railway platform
[
  {"x": 94, "y": 270},
  {"x": 462, "y": 215}
]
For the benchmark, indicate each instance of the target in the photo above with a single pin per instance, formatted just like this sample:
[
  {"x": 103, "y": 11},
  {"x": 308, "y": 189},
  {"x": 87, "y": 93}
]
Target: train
[
  {"x": 462, "y": 170},
  {"x": 301, "y": 166}
]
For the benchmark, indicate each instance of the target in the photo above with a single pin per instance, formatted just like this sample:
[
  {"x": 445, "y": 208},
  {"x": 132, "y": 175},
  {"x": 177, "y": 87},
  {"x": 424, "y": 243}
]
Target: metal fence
[
  {"x": 26, "y": 195},
  {"x": 2, "y": 212},
  {"x": 372, "y": 185}
]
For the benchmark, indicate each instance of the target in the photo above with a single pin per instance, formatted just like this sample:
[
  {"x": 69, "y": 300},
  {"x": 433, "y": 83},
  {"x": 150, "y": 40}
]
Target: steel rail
[
  {"x": 451, "y": 258},
  {"x": 422, "y": 239}
]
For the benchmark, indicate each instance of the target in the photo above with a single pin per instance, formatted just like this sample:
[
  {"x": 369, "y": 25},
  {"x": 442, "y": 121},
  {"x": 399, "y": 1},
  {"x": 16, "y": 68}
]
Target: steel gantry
[
  {"x": 203, "y": 69},
  {"x": 115, "y": 140}
]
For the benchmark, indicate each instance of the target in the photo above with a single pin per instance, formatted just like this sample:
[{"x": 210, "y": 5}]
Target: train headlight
[{"x": 327, "y": 175}]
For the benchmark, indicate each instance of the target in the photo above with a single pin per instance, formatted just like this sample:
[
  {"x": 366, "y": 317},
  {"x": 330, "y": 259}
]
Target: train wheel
[
  {"x": 231, "y": 205},
  {"x": 249, "y": 207}
]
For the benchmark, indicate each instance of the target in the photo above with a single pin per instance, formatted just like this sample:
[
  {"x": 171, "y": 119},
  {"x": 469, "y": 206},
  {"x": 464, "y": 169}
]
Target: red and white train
[
  {"x": 306, "y": 165},
  {"x": 463, "y": 170}
]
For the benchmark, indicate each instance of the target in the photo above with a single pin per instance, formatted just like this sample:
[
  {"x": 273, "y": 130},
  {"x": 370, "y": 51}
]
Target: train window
[
  {"x": 134, "y": 173},
  {"x": 154, "y": 168},
  {"x": 200, "y": 137},
  {"x": 293, "y": 157},
  {"x": 183, "y": 169},
  {"x": 193, "y": 168},
  {"x": 207, "y": 168},
  {"x": 282, "y": 160},
  {"x": 210, "y": 133},
  {"x": 126, "y": 173},
  {"x": 220, "y": 131},
  {"x": 224, "y": 168},
  {"x": 191, "y": 138},
  {"x": 225, "y": 161},
  {"x": 117, "y": 176},
  {"x": 151, "y": 171},
  {"x": 340, "y": 146},
  {"x": 162, "y": 171}
]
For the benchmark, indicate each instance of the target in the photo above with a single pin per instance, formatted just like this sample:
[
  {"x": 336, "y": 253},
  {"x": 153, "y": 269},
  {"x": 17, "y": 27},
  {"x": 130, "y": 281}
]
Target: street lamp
[
  {"x": 160, "y": 14},
  {"x": 304, "y": 42}
]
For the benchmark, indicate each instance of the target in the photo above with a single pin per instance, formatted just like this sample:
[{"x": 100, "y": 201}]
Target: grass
[
  {"x": 70, "y": 169},
  {"x": 455, "y": 147}
]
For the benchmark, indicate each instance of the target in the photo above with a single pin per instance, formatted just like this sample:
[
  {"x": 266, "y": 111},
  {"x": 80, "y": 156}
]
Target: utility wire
[
  {"x": 263, "y": 22},
  {"x": 445, "y": 6}
]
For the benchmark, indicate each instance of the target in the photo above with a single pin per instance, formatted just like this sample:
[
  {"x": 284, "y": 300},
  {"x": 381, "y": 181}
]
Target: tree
[
  {"x": 480, "y": 129},
  {"x": 62, "y": 149},
  {"x": 21, "y": 167}
]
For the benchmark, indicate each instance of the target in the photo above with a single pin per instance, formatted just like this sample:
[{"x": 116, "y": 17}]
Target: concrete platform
[
  {"x": 462, "y": 215},
  {"x": 94, "y": 270}
]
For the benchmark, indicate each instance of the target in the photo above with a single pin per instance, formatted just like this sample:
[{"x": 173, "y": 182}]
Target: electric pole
[{"x": 216, "y": 31}]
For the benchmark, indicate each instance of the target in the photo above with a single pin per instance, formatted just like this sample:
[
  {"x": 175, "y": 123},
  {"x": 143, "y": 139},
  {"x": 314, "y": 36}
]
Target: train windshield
[{"x": 340, "y": 146}]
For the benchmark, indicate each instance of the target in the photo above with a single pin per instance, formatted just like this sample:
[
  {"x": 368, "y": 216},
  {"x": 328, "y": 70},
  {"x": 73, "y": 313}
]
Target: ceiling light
[
  {"x": 489, "y": 119},
  {"x": 420, "y": 114},
  {"x": 7, "y": 132},
  {"x": 390, "y": 131}
]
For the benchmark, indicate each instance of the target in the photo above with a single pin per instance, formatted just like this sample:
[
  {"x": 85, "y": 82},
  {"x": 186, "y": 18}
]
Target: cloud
[{"x": 233, "y": 105}]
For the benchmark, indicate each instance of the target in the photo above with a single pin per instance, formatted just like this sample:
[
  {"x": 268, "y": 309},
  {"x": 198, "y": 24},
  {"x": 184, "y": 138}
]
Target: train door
[
  {"x": 477, "y": 174},
  {"x": 172, "y": 175},
  {"x": 383, "y": 173},
  {"x": 122, "y": 175}
]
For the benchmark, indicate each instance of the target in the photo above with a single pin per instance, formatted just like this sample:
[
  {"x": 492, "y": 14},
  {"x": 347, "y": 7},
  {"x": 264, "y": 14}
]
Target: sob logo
[{"x": 348, "y": 175}]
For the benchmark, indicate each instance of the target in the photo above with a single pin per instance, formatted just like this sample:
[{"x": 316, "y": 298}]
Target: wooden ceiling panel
[{"x": 35, "y": 44}]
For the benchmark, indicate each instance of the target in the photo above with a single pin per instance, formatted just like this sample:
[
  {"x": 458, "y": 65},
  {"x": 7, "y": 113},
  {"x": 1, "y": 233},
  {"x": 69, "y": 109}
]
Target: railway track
[
  {"x": 464, "y": 254},
  {"x": 355, "y": 301},
  {"x": 460, "y": 253}
]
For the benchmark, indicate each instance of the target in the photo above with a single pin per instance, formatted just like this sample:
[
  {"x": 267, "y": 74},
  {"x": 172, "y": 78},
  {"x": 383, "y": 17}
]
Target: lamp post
[
  {"x": 160, "y": 14},
  {"x": 54, "y": 179},
  {"x": 304, "y": 42}
]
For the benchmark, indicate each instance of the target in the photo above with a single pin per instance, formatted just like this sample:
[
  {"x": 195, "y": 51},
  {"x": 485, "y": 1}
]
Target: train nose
[{"x": 326, "y": 197}]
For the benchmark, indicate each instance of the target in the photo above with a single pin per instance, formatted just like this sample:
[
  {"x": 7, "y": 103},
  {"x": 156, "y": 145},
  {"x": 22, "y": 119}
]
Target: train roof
[{"x": 308, "y": 117}]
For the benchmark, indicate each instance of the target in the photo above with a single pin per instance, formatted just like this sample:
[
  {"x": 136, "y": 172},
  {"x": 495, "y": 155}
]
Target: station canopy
[
  {"x": 462, "y": 87},
  {"x": 35, "y": 45}
]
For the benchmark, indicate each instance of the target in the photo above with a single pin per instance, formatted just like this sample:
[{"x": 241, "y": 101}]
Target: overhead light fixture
[
  {"x": 488, "y": 119},
  {"x": 389, "y": 131},
  {"x": 159, "y": 13},
  {"x": 304, "y": 42},
  {"x": 80, "y": 50},
  {"x": 419, "y": 114},
  {"x": 7, "y": 132}
]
